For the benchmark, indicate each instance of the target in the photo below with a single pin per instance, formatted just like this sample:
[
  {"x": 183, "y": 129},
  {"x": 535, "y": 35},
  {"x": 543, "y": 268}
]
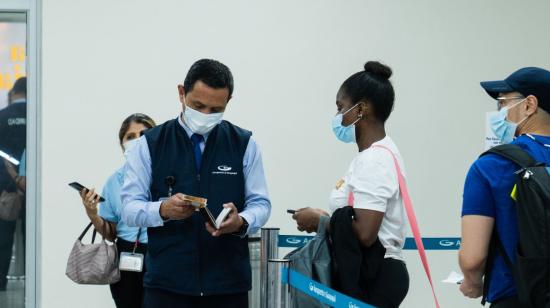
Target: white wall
[{"x": 103, "y": 60}]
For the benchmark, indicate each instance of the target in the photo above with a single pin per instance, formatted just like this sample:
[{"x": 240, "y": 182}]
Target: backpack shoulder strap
[
  {"x": 514, "y": 153},
  {"x": 495, "y": 246}
]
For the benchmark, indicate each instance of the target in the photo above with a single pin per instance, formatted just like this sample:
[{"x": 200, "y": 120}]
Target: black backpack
[{"x": 531, "y": 272}]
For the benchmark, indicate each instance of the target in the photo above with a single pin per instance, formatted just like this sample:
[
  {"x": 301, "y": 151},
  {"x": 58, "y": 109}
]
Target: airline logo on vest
[{"x": 224, "y": 170}]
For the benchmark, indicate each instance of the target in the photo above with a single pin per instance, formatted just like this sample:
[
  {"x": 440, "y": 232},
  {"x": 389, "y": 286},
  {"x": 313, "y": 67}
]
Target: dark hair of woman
[
  {"x": 139, "y": 118},
  {"x": 373, "y": 85}
]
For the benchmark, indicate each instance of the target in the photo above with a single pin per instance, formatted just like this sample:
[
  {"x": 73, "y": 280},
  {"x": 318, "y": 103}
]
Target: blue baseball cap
[{"x": 527, "y": 81}]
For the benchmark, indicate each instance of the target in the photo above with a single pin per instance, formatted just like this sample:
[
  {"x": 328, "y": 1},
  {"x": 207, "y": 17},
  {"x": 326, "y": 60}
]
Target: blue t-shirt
[
  {"x": 111, "y": 209},
  {"x": 487, "y": 192}
]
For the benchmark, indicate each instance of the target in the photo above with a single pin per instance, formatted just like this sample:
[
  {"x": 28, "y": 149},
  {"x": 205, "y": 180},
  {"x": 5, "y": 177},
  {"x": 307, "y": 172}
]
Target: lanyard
[{"x": 136, "y": 243}]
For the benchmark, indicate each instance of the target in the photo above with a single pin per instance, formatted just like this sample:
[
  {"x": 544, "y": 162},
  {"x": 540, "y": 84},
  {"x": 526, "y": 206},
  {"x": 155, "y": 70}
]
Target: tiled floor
[{"x": 14, "y": 296}]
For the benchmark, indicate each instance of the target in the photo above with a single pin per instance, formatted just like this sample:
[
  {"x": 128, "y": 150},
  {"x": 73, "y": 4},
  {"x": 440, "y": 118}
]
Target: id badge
[{"x": 131, "y": 262}]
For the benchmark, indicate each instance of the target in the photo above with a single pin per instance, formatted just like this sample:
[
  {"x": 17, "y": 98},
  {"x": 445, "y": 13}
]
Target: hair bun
[{"x": 378, "y": 69}]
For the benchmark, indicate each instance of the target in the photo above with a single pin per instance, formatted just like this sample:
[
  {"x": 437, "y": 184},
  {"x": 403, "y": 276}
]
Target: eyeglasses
[{"x": 502, "y": 100}]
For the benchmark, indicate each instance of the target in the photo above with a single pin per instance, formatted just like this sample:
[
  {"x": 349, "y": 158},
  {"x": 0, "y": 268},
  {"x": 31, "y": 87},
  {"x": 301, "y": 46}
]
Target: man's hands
[
  {"x": 176, "y": 208},
  {"x": 231, "y": 224},
  {"x": 471, "y": 289},
  {"x": 12, "y": 171}
]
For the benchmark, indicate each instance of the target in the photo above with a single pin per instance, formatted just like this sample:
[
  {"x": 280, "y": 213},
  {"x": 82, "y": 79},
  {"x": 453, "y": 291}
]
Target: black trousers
[
  {"x": 128, "y": 292},
  {"x": 7, "y": 230},
  {"x": 391, "y": 285},
  {"x": 512, "y": 302},
  {"x": 156, "y": 298}
]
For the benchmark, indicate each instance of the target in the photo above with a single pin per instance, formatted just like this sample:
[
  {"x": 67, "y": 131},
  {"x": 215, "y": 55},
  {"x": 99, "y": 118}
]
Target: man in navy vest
[{"x": 189, "y": 263}]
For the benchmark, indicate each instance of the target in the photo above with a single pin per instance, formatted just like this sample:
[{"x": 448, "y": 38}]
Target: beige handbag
[
  {"x": 93, "y": 263},
  {"x": 10, "y": 205}
]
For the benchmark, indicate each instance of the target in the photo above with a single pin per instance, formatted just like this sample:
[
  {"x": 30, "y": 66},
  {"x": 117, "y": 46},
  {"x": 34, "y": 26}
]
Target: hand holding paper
[
  {"x": 454, "y": 278},
  {"x": 231, "y": 224},
  {"x": 176, "y": 208}
]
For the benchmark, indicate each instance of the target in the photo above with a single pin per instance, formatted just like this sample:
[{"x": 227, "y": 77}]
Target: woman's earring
[{"x": 360, "y": 116}]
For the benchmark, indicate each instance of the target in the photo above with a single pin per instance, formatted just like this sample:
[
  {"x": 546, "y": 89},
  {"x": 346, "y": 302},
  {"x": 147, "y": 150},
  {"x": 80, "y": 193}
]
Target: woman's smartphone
[
  {"x": 291, "y": 211},
  {"x": 79, "y": 187}
]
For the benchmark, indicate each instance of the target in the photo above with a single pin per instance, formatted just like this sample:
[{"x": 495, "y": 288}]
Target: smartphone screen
[
  {"x": 7, "y": 157},
  {"x": 79, "y": 187}
]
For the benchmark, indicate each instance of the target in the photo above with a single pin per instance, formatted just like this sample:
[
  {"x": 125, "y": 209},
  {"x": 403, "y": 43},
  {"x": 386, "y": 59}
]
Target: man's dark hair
[
  {"x": 213, "y": 73},
  {"x": 20, "y": 86}
]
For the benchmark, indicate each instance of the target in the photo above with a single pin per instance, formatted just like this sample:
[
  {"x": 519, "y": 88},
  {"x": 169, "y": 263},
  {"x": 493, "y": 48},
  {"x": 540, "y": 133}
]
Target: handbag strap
[
  {"x": 106, "y": 225},
  {"x": 85, "y": 231},
  {"x": 412, "y": 220}
]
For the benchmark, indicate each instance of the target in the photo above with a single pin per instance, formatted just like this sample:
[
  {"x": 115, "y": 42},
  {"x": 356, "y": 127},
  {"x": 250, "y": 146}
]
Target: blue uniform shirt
[
  {"x": 487, "y": 192},
  {"x": 111, "y": 209}
]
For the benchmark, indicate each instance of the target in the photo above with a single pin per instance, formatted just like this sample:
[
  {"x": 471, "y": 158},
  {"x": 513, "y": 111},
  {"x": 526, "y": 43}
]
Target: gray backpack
[{"x": 312, "y": 260}]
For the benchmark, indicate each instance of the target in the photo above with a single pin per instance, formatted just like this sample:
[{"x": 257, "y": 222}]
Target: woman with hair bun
[{"x": 370, "y": 188}]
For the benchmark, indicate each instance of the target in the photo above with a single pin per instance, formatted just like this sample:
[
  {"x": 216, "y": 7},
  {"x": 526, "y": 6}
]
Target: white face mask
[{"x": 201, "y": 123}]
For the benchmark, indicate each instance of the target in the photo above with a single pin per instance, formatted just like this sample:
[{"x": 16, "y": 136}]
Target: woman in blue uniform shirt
[{"x": 128, "y": 292}]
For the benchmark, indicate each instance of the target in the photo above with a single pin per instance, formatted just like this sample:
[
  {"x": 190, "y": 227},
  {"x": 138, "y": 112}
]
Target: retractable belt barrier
[
  {"x": 273, "y": 291},
  {"x": 319, "y": 291},
  {"x": 430, "y": 243}
]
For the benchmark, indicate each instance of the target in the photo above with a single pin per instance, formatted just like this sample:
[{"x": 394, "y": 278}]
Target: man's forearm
[
  {"x": 473, "y": 275},
  {"x": 473, "y": 271}
]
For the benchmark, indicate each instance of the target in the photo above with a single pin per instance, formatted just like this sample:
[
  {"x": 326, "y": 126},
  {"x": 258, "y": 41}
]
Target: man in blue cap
[{"x": 523, "y": 119}]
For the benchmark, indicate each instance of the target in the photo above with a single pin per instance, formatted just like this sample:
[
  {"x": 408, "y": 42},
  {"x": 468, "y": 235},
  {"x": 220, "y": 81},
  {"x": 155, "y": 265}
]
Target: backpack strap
[
  {"x": 487, "y": 275},
  {"x": 495, "y": 245},
  {"x": 514, "y": 153}
]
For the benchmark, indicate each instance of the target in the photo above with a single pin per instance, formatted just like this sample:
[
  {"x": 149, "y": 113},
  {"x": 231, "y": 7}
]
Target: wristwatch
[{"x": 244, "y": 228}]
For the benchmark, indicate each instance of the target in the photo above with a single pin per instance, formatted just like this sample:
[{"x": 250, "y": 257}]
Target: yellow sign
[{"x": 10, "y": 73}]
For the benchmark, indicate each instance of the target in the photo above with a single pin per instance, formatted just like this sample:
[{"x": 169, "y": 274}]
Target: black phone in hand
[{"x": 79, "y": 187}]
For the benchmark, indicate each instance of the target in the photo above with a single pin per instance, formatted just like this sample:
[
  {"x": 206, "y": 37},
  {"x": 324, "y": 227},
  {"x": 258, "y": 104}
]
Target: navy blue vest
[{"x": 182, "y": 256}]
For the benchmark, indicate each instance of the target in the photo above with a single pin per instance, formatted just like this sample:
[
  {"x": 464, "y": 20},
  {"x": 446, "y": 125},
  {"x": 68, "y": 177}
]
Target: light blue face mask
[
  {"x": 344, "y": 133},
  {"x": 504, "y": 129}
]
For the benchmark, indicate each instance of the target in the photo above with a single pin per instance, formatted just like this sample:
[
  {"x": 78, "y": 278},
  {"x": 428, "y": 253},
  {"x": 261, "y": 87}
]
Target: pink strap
[
  {"x": 351, "y": 199},
  {"x": 412, "y": 220}
]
